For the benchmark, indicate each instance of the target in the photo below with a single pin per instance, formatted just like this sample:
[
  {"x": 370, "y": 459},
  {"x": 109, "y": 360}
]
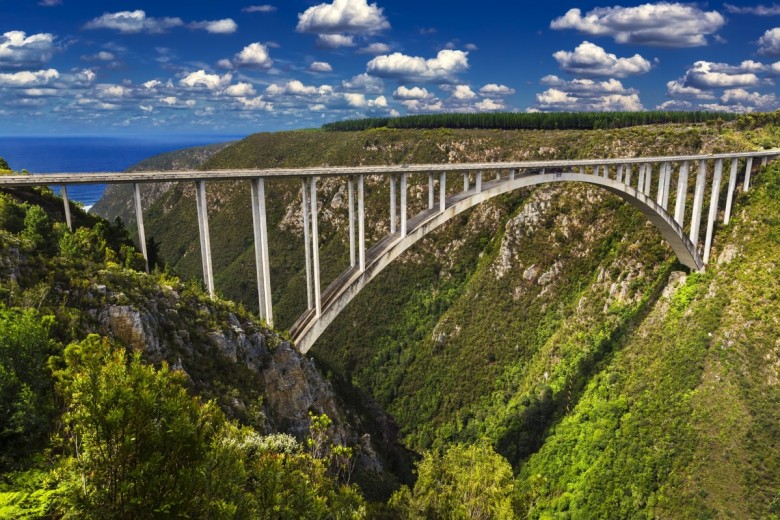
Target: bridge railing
[{"x": 649, "y": 177}]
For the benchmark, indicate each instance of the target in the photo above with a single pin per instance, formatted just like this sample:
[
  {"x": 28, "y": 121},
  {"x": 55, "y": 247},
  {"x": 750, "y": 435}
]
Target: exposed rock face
[{"x": 163, "y": 328}]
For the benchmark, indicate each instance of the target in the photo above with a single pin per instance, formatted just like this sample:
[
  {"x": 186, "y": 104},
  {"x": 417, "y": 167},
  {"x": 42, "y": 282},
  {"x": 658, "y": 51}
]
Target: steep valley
[{"x": 553, "y": 323}]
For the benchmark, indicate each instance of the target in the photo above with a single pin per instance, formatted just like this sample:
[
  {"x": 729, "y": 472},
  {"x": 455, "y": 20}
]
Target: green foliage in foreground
[
  {"x": 465, "y": 482},
  {"x": 530, "y": 121},
  {"x": 95, "y": 431}
]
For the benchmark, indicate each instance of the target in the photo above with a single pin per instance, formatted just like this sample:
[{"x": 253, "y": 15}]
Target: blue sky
[{"x": 148, "y": 67}]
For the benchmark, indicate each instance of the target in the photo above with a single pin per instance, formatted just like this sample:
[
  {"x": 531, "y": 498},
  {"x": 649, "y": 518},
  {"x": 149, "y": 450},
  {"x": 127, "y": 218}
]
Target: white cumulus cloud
[
  {"x": 493, "y": 89},
  {"x": 769, "y": 43},
  {"x": 760, "y": 10},
  {"x": 442, "y": 68},
  {"x": 740, "y": 96},
  {"x": 320, "y": 66},
  {"x": 589, "y": 59},
  {"x": 375, "y": 48},
  {"x": 225, "y": 26},
  {"x": 27, "y": 78},
  {"x": 662, "y": 24},
  {"x": 240, "y": 89},
  {"x": 709, "y": 75},
  {"x": 343, "y": 17},
  {"x": 17, "y": 50},
  {"x": 254, "y": 55},
  {"x": 130, "y": 22},
  {"x": 334, "y": 41},
  {"x": 403, "y": 92},
  {"x": 365, "y": 83},
  {"x": 265, "y": 8},
  {"x": 463, "y": 93},
  {"x": 201, "y": 79},
  {"x": 586, "y": 95}
]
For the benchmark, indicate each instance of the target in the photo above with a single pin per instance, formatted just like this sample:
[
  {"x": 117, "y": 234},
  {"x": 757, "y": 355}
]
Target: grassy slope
[{"x": 682, "y": 420}]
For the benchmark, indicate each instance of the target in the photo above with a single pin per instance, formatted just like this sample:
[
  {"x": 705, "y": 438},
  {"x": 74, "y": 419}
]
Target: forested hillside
[{"x": 551, "y": 328}]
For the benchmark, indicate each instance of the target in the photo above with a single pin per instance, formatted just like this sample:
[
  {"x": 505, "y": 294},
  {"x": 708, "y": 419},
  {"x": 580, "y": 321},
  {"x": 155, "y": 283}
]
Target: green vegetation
[
  {"x": 530, "y": 121},
  {"x": 102, "y": 427}
]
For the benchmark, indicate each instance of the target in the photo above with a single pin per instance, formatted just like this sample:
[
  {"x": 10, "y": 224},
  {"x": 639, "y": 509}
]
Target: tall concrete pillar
[
  {"x": 403, "y": 203},
  {"x": 667, "y": 186},
  {"x": 698, "y": 201},
  {"x": 306, "y": 211},
  {"x": 64, "y": 195},
  {"x": 392, "y": 204},
  {"x": 498, "y": 175},
  {"x": 442, "y": 191},
  {"x": 512, "y": 174},
  {"x": 659, "y": 196},
  {"x": 764, "y": 161},
  {"x": 582, "y": 170},
  {"x": 351, "y": 190},
  {"x": 431, "y": 190},
  {"x": 315, "y": 246},
  {"x": 627, "y": 175},
  {"x": 465, "y": 181},
  {"x": 479, "y": 181},
  {"x": 640, "y": 187},
  {"x": 682, "y": 193},
  {"x": 731, "y": 188},
  {"x": 139, "y": 219},
  {"x": 713, "y": 213},
  {"x": 361, "y": 225},
  {"x": 205, "y": 240},
  {"x": 648, "y": 179},
  {"x": 748, "y": 170},
  {"x": 262, "y": 262},
  {"x": 619, "y": 173}
]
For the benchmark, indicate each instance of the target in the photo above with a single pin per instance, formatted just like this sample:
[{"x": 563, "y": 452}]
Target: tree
[{"x": 466, "y": 482}]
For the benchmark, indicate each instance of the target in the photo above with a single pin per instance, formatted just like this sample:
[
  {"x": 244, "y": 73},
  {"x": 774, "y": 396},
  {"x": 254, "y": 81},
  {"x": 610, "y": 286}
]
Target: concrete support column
[
  {"x": 479, "y": 181},
  {"x": 351, "y": 191},
  {"x": 64, "y": 195},
  {"x": 403, "y": 203},
  {"x": 393, "y": 217},
  {"x": 605, "y": 171},
  {"x": 619, "y": 173},
  {"x": 315, "y": 246},
  {"x": 442, "y": 191},
  {"x": 648, "y": 179},
  {"x": 205, "y": 240},
  {"x": 498, "y": 175},
  {"x": 682, "y": 192},
  {"x": 262, "y": 262},
  {"x": 512, "y": 174},
  {"x": 627, "y": 175},
  {"x": 667, "y": 185},
  {"x": 698, "y": 201},
  {"x": 730, "y": 191},
  {"x": 431, "y": 191},
  {"x": 139, "y": 219},
  {"x": 748, "y": 169},
  {"x": 361, "y": 225},
  {"x": 466, "y": 181},
  {"x": 764, "y": 161},
  {"x": 582, "y": 170},
  {"x": 713, "y": 213},
  {"x": 305, "y": 211},
  {"x": 641, "y": 182},
  {"x": 659, "y": 196}
]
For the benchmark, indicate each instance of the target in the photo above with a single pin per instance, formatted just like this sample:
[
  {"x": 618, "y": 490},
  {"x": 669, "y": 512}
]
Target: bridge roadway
[{"x": 638, "y": 188}]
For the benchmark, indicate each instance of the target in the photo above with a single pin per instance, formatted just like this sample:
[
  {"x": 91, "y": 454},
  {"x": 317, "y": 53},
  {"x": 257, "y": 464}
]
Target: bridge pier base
[
  {"x": 262, "y": 263},
  {"x": 205, "y": 240},
  {"x": 139, "y": 220},
  {"x": 730, "y": 192}
]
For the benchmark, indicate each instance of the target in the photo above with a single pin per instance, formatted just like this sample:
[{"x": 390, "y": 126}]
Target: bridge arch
[{"x": 308, "y": 328}]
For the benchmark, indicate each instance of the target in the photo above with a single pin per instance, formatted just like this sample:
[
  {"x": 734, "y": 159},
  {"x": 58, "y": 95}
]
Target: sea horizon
[{"x": 89, "y": 153}]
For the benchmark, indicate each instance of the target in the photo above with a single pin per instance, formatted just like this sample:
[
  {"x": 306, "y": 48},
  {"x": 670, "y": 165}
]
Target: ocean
[{"x": 93, "y": 154}]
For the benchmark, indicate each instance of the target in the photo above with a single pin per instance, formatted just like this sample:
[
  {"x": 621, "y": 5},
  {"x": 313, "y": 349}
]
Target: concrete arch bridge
[{"x": 656, "y": 186}]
